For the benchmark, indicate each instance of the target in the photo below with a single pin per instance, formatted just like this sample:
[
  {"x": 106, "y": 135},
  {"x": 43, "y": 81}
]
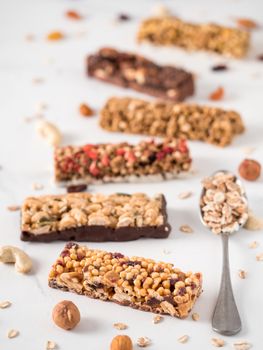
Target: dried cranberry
[
  {"x": 260, "y": 57},
  {"x": 182, "y": 291},
  {"x": 64, "y": 253},
  {"x": 105, "y": 160},
  {"x": 133, "y": 263},
  {"x": 193, "y": 285},
  {"x": 160, "y": 155},
  {"x": 152, "y": 158},
  {"x": 120, "y": 152},
  {"x": 168, "y": 150},
  {"x": 77, "y": 188},
  {"x": 153, "y": 302},
  {"x": 123, "y": 17},
  {"x": 117, "y": 255},
  {"x": 69, "y": 245},
  {"x": 170, "y": 300},
  {"x": 219, "y": 68}
]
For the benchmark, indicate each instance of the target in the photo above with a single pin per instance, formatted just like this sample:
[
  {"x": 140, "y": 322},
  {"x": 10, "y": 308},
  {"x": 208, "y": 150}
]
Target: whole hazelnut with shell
[{"x": 66, "y": 315}]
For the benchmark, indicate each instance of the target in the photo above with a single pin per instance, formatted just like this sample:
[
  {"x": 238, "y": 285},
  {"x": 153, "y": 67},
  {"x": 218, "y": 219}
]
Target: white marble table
[{"x": 26, "y": 159}]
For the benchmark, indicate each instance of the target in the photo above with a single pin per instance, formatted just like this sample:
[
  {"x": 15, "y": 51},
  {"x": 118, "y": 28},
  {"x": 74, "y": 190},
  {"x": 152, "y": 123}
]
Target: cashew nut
[
  {"x": 10, "y": 254},
  {"x": 50, "y": 132}
]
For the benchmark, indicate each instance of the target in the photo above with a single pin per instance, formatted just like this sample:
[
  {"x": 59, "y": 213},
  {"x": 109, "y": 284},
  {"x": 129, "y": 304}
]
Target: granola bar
[
  {"x": 224, "y": 206},
  {"x": 194, "y": 122},
  {"x": 140, "y": 283},
  {"x": 94, "y": 217},
  {"x": 122, "y": 162},
  {"x": 136, "y": 72},
  {"x": 210, "y": 37}
]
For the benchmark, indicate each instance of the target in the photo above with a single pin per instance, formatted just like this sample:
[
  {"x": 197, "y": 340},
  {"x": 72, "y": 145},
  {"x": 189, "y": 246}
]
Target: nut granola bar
[
  {"x": 136, "y": 72},
  {"x": 231, "y": 42},
  {"x": 194, "y": 122},
  {"x": 94, "y": 217},
  {"x": 140, "y": 283},
  {"x": 123, "y": 162}
]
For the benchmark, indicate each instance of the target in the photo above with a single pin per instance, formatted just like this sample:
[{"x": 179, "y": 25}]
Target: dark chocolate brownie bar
[
  {"x": 129, "y": 70},
  {"x": 94, "y": 217},
  {"x": 137, "y": 282}
]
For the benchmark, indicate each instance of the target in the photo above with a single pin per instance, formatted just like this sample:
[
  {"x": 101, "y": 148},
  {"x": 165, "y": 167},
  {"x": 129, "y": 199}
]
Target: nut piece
[
  {"x": 120, "y": 326},
  {"x": 50, "y": 345},
  {"x": 66, "y": 315},
  {"x": 142, "y": 342},
  {"x": 195, "y": 316},
  {"x": 253, "y": 245},
  {"x": 186, "y": 229},
  {"x": 5, "y": 304},
  {"x": 242, "y": 274},
  {"x": 85, "y": 110},
  {"x": 10, "y": 254},
  {"x": 12, "y": 333},
  {"x": 218, "y": 342},
  {"x": 242, "y": 345},
  {"x": 50, "y": 132},
  {"x": 250, "y": 169},
  {"x": 121, "y": 342},
  {"x": 157, "y": 319},
  {"x": 56, "y": 35},
  {"x": 183, "y": 339}
]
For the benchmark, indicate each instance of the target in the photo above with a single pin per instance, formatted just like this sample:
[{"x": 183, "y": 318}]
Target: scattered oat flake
[
  {"x": 5, "y": 304},
  {"x": 13, "y": 207},
  {"x": 183, "y": 339},
  {"x": 37, "y": 187},
  {"x": 72, "y": 14},
  {"x": 30, "y": 37},
  {"x": 12, "y": 333},
  {"x": 247, "y": 23},
  {"x": 85, "y": 110},
  {"x": 242, "y": 274},
  {"x": 157, "y": 319},
  {"x": 248, "y": 150},
  {"x": 166, "y": 251},
  {"x": 38, "y": 80},
  {"x": 217, "y": 95},
  {"x": 253, "y": 223},
  {"x": 253, "y": 245},
  {"x": 195, "y": 316},
  {"x": 143, "y": 342},
  {"x": 56, "y": 35},
  {"x": 185, "y": 195},
  {"x": 51, "y": 345},
  {"x": 217, "y": 342},
  {"x": 120, "y": 326},
  {"x": 186, "y": 229},
  {"x": 259, "y": 257},
  {"x": 242, "y": 345}
]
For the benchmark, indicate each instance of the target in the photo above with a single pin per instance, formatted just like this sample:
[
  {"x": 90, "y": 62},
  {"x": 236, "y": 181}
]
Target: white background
[{"x": 26, "y": 159}]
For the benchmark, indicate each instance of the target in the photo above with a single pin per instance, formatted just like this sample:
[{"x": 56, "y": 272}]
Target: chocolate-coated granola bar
[
  {"x": 140, "y": 283},
  {"x": 136, "y": 72},
  {"x": 94, "y": 217},
  {"x": 210, "y": 37},
  {"x": 122, "y": 162},
  {"x": 194, "y": 122}
]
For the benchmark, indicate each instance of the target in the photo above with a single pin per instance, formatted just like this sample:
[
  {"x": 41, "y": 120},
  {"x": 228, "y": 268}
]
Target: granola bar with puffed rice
[
  {"x": 137, "y": 282},
  {"x": 172, "y": 31},
  {"x": 158, "y": 118}
]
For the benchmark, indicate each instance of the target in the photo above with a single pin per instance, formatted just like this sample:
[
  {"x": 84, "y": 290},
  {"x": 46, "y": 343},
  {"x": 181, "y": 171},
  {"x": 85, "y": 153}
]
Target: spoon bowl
[{"x": 226, "y": 319}]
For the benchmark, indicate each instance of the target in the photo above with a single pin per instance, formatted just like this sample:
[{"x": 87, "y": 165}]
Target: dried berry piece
[
  {"x": 219, "y": 68},
  {"x": 85, "y": 110},
  {"x": 217, "y": 95},
  {"x": 72, "y": 14},
  {"x": 123, "y": 17},
  {"x": 250, "y": 169},
  {"x": 260, "y": 57},
  {"x": 56, "y": 35},
  {"x": 77, "y": 188},
  {"x": 247, "y": 23}
]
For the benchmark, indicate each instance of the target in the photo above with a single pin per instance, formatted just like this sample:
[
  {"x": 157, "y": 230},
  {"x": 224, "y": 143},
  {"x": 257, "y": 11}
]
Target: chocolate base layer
[
  {"x": 99, "y": 234},
  {"x": 154, "y": 307}
]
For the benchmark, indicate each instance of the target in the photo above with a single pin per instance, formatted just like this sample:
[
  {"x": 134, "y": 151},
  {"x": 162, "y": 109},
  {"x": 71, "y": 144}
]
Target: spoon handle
[{"x": 226, "y": 319}]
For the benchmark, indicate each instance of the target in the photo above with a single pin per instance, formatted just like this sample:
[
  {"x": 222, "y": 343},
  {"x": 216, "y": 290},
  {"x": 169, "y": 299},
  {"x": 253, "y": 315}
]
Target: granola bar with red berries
[{"x": 121, "y": 162}]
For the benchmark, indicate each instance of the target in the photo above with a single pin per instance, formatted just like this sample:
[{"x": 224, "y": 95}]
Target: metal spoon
[{"x": 226, "y": 319}]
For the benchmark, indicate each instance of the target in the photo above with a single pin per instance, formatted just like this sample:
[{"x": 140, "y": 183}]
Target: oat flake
[
  {"x": 120, "y": 326},
  {"x": 51, "y": 345},
  {"x": 12, "y": 333},
  {"x": 218, "y": 342},
  {"x": 142, "y": 342},
  {"x": 5, "y": 304},
  {"x": 186, "y": 229},
  {"x": 183, "y": 339}
]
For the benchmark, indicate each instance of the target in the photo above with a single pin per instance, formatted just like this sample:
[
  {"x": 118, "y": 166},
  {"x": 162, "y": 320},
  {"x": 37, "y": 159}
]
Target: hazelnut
[
  {"x": 121, "y": 342},
  {"x": 66, "y": 315},
  {"x": 249, "y": 169}
]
